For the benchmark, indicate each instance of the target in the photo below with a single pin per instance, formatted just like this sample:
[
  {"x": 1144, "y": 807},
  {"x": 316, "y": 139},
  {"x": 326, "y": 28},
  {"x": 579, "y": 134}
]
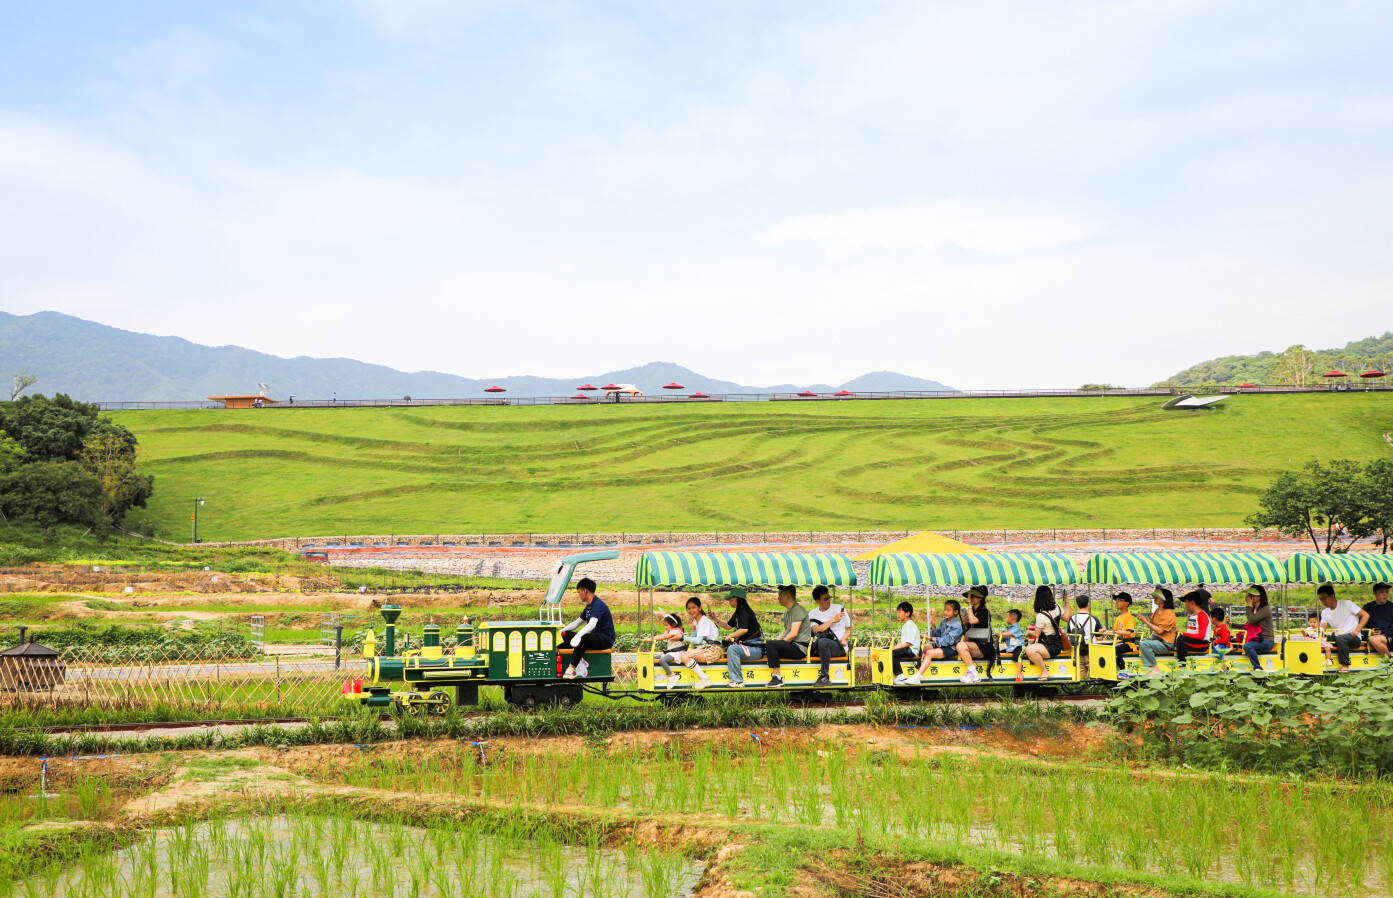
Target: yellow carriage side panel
[
  {"x": 514, "y": 653},
  {"x": 1102, "y": 661},
  {"x": 1302, "y": 656}
]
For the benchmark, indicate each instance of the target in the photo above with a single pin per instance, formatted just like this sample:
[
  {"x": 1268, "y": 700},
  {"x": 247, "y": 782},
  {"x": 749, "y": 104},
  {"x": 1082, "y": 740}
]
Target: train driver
[{"x": 592, "y": 631}]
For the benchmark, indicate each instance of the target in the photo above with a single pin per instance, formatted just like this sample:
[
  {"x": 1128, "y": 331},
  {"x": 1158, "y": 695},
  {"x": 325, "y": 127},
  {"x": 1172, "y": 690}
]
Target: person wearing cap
[
  {"x": 1163, "y": 626},
  {"x": 977, "y": 639},
  {"x": 1124, "y": 629},
  {"x": 1380, "y": 612},
  {"x": 746, "y": 639},
  {"x": 1195, "y": 639},
  {"x": 1344, "y": 619},
  {"x": 1259, "y": 633}
]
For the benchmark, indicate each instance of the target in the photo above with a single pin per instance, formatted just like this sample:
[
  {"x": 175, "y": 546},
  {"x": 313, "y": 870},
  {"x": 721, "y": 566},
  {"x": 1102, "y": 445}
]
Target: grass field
[{"x": 966, "y": 464}]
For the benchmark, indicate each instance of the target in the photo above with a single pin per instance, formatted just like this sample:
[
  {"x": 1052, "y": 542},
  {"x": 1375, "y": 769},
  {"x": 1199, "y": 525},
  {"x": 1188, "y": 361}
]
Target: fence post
[
  {"x": 278, "y": 680},
  {"x": 338, "y": 646}
]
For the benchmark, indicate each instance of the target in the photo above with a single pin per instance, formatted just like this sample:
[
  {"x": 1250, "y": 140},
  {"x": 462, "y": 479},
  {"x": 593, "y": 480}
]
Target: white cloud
[{"x": 976, "y": 226}]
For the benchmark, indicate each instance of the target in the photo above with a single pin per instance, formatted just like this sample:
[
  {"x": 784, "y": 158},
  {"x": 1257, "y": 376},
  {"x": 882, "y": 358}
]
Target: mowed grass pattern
[{"x": 965, "y": 464}]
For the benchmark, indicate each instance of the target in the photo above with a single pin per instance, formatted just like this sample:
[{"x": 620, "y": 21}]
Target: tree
[
  {"x": 12, "y": 454},
  {"x": 23, "y": 380},
  {"x": 50, "y": 493},
  {"x": 1294, "y": 367},
  {"x": 1325, "y": 502},
  {"x": 109, "y": 454},
  {"x": 51, "y": 429},
  {"x": 1378, "y": 501}
]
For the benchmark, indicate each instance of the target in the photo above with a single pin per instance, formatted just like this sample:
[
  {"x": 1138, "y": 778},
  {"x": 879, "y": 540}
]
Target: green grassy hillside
[{"x": 966, "y": 463}]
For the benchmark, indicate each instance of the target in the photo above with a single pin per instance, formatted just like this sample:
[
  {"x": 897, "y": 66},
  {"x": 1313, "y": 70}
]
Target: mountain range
[{"x": 95, "y": 362}]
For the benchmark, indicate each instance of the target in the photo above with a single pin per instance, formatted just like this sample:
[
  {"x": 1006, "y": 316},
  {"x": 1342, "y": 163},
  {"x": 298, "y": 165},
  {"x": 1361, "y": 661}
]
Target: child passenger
[
  {"x": 907, "y": 649},
  {"x": 1015, "y": 639},
  {"x": 673, "y": 637},
  {"x": 945, "y": 638},
  {"x": 1312, "y": 631},
  {"x": 1223, "y": 639}
]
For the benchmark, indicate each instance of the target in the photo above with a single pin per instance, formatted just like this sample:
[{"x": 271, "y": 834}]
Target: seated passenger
[
  {"x": 1049, "y": 640},
  {"x": 592, "y": 631},
  {"x": 907, "y": 649},
  {"x": 1344, "y": 619},
  {"x": 1259, "y": 634},
  {"x": 830, "y": 625},
  {"x": 705, "y": 647},
  {"x": 746, "y": 639},
  {"x": 1195, "y": 639},
  {"x": 1223, "y": 639},
  {"x": 1380, "y": 612},
  {"x": 944, "y": 639},
  {"x": 671, "y": 637},
  {"x": 1313, "y": 632},
  {"x": 1124, "y": 630},
  {"x": 1163, "y": 627},
  {"x": 792, "y": 643},
  {"x": 1015, "y": 639},
  {"x": 977, "y": 634}
]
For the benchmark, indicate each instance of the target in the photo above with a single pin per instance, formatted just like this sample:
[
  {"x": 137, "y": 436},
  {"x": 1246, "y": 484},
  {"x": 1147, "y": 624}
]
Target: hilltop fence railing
[{"x": 683, "y": 397}]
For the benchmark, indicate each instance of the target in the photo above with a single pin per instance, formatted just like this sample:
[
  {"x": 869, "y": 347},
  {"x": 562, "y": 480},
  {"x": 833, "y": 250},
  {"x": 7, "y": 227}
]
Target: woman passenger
[
  {"x": 1162, "y": 624},
  {"x": 1258, "y": 632},
  {"x": 944, "y": 638},
  {"x": 977, "y": 641},
  {"x": 705, "y": 643},
  {"x": 746, "y": 639},
  {"x": 1049, "y": 641}
]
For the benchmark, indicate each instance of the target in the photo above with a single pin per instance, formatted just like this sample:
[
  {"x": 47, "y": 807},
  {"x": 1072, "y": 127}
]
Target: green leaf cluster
[
  {"x": 1334, "y": 504},
  {"x": 61, "y": 463},
  {"x": 1340, "y": 724}
]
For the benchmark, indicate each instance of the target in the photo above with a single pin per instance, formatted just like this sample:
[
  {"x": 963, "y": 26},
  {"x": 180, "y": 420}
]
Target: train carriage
[
  {"x": 966, "y": 570},
  {"x": 728, "y": 570},
  {"x": 1304, "y": 655},
  {"x": 1179, "y": 569}
]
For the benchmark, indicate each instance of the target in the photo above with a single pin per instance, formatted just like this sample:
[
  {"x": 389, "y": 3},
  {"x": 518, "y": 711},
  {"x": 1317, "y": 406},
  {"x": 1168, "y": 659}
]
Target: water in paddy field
[{"x": 319, "y": 856}]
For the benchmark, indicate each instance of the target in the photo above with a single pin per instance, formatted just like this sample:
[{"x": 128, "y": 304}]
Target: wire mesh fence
[{"x": 95, "y": 677}]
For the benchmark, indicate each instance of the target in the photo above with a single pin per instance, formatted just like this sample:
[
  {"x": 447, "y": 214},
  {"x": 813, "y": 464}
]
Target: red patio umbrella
[
  {"x": 1241, "y": 386},
  {"x": 672, "y": 386},
  {"x": 807, "y": 393},
  {"x": 1335, "y": 374},
  {"x": 494, "y": 389},
  {"x": 587, "y": 387},
  {"x": 580, "y": 396},
  {"x": 611, "y": 386},
  {"x": 698, "y": 395},
  {"x": 1372, "y": 372},
  {"x": 844, "y": 393}
]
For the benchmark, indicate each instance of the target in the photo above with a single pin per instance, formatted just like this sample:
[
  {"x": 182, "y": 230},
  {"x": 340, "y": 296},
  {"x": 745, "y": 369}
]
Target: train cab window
[
  {"x": 546, "y": 641},
  {"x": 531, "y": 641},
  {"x": 500, "y": 642}
]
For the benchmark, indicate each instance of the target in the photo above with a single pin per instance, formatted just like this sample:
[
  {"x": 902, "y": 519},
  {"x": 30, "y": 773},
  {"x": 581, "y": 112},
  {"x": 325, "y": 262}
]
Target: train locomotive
[{"x": 526, "y": 658}]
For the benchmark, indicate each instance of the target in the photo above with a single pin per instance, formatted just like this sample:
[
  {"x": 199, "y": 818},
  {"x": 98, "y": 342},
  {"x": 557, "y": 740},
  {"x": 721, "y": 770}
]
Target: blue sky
[{"x": 992, "y": 195}]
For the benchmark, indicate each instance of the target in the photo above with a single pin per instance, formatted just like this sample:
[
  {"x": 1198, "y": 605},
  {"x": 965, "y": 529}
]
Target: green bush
[
  {"x": 118, "y": 643},
  {"x": 1341, "y": 724}
]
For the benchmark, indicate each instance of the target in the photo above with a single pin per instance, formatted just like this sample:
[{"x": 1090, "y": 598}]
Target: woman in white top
[
  {"x": 705, "y": 642},
  {"x": 1048, "y": 640}
]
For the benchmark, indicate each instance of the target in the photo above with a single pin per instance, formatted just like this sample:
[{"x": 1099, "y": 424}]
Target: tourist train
[{"x": 530, "y": 660}]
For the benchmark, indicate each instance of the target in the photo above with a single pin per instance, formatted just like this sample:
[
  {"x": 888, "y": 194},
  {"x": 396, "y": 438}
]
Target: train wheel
[
  {"x": 1078, "y": 688},
  {"x": 439, "y": 702}
]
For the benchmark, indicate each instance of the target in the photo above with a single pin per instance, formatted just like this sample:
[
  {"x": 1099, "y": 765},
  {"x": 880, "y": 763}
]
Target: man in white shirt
[
  {"x": 1344, "y": 619},
  {"x": 830, "y": 624}
]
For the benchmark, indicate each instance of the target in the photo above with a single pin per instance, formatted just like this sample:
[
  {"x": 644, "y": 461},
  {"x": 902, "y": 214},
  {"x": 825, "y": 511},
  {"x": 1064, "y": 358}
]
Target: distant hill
[
  {"x": 94, "y": 362},
  {"x": 1237, "y": 369}
]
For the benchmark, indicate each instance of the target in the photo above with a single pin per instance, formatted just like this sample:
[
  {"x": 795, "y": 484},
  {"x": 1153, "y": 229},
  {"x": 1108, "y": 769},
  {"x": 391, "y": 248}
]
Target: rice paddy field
[
  {"x": 921, "y": 464},
  {"x": 834, "y": 811}
]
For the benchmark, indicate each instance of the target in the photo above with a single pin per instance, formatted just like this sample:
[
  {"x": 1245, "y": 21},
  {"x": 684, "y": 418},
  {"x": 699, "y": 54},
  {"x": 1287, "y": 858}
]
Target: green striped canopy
[
  {"x": 743, "y": 569},
  {"x": 986, "y": 569},
  {"x": 1184, "y": 567},
  {"x": 1304, "y": 567}
]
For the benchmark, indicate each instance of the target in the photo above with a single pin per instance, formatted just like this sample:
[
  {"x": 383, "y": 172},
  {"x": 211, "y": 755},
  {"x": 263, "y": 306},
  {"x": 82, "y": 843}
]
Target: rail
[{"x": 659, "y": 399}]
